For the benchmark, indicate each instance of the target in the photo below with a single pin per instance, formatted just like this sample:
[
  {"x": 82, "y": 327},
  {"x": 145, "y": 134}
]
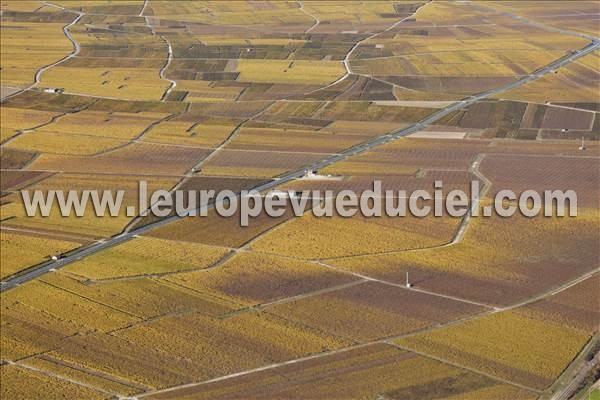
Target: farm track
[
  {"x": 76, "y": 50},
  {"x": 49, "y": 122},
  {"x": 577, "y": 372},
  {"x": 346, "y": 60},
  {"x": 61, "y": 377},
  {"x": 43, "y": 268},
  {"x": 197, "y": 167},
  {"x": 317, "y": 21},
  {"x": 163, "y": 70},
  {"x": 388, "y": 341}
]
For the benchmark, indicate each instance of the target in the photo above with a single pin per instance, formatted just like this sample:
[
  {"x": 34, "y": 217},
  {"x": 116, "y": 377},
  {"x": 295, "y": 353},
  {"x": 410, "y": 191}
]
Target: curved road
[
  {"x": 76, "y": 50},
  {"x": 46, "y": 267}
]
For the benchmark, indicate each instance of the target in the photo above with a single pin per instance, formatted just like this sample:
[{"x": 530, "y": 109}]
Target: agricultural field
[
  {"x": 214, "y": 229},
  {"x": 256, "y": 164},
  {"x": 28, "y": 46},
  {"x": 333, "y": 237},
  {"x": 372, "y": 310},
  {"x": 143, "y": 296},
  {"x": 310, "y": 100},
  {"x": 167, "y": 160},
  {"x": 27, "y": 250},
  {"x": 127, "y": 260},
  {"x": 253, "y": 278},
  {"x": 530, "y": 345},
  {"x": 25, "y": 383},
  {"x": 375, "y": 370},
  {"x": 88, "y": 225},
  {"x": 527, "y": 351},
  {"x": 574, "y": 83},
  {"x": 499, "y": 261}
]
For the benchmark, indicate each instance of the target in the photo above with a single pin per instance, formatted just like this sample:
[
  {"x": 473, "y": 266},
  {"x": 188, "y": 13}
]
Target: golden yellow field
[
  {"x": 28, "y": 46},
  {"x": 22, "y": 383},
  {"x": 121, "y": 83},
  {"x": 144, "y": 297},
  {"x": 332, "y": 237},
  {"x": 16, "y": 119},
  {"x": 490, "y": 247},
  {"x": 507, "y": 345},
  {"x": 146, "y": 256},
  {"x": 89, "y": 225},
  {"x": 100, "y": 124},
  {"x": 107, "y": 384},
  {"x": 19, "y": 5},
  {"x": 64, "y": 143},
  {"x": 66, "y": 308},
  {"x": 20, "y": 251},
  {"x": 575, "y": 82},
  {"x": 206, "y": 133},
  {"x": 286, "y": 71}
]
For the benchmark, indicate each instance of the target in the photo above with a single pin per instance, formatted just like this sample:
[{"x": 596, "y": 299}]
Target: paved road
[
  {"x": 46, "y": 267},
  {"x": 76, "y": 50},
  {"x": 571, "y": 388}
]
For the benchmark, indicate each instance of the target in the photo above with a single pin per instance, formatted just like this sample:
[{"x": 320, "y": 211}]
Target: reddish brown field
[
  {"x": 373, "y": 310},
  {"x": 540, "y": 173},
  {"x": 254, "y": 278},
  {"x": 15, "y": 159},
  {"x": 153, "y": 159},
  {"x": 365, "y": 372},
  {"x": 257, "y": 163},
  {"x": 14, "y": 180},
  {"x": 576, "y": 307},
  {"x": 220, "y": 231},
  {"x": 562, "y": 118}
]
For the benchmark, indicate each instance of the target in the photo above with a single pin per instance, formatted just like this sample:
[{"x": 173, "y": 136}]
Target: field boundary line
[
  {"x": 97, "y": 374},
  {"x": 412, "y": 288},
  {"x": 44, "y": 267},
  {"x": 264, "y": 306},
  {"x": 60, "y": 377},
  {"x": 74, "y": 52},
  {"x": 474, "y": 370},
  {"x": 346, "y": 60}
]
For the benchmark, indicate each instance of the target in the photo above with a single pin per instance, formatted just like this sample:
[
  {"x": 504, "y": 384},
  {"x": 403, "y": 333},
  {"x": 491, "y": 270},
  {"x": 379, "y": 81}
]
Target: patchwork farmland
[{"x": 299, "y": 96}]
